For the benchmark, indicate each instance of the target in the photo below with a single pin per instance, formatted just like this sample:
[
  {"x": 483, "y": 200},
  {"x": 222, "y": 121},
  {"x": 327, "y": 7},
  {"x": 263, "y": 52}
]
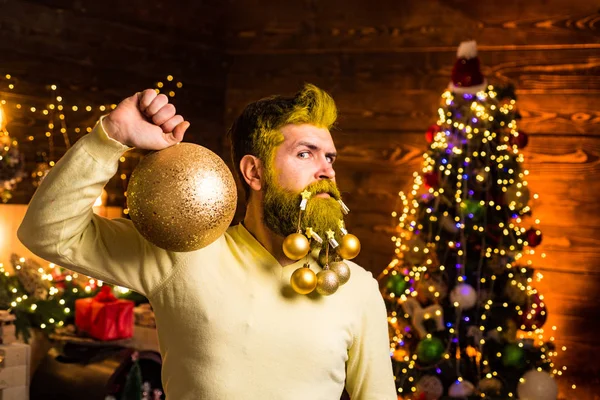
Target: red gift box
[{"x": 105, "y": 317}]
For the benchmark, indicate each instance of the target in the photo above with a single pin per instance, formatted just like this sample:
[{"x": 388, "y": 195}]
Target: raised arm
[{"x": 60, "y": 225}]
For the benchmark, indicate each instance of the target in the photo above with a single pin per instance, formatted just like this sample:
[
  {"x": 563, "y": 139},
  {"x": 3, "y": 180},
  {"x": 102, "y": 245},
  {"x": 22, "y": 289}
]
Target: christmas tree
[{"x": 465, "y": 318}]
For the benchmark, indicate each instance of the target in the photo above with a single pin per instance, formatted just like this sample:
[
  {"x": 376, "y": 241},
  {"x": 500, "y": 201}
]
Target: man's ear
[{"x": 252, "y": 171}]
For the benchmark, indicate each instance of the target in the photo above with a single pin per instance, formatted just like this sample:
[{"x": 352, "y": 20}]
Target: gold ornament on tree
[{"x": 182, "y": 198}]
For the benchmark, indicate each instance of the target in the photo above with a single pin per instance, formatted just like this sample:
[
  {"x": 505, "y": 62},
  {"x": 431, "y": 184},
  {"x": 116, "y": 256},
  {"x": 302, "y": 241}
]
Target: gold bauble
[
  {"x": 181, "y": 198},
  {"x": 342, "y": 270},
  {"x": 349, "y": 247},
  {"x": 303, "y": 280},
  {"x": 296, "y": 246},
  {"x": 323, "y": 260},
  {"x": 327, "y": 282}
]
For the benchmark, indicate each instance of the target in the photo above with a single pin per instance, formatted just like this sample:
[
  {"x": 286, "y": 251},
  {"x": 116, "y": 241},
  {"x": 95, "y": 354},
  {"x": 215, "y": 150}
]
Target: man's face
[{"x": 304, "y": 161}]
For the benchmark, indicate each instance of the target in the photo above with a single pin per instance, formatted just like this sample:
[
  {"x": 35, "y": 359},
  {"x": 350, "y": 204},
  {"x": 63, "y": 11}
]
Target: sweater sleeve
[
  {"x": 369, "y": 368},
  {"x": 60, "y": 226}
]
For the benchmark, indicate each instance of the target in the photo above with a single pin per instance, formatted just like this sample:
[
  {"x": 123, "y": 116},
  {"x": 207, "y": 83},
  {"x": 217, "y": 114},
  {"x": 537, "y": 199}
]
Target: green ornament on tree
[
  {"x": 397, "y": 284},
  {"x": 474, "y": 208},
  {"x": 513, "y": 356},
  {"x": 430, "y": 350}
]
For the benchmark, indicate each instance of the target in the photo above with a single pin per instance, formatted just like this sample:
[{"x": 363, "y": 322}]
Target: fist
[{"x": 147, "y": 121}]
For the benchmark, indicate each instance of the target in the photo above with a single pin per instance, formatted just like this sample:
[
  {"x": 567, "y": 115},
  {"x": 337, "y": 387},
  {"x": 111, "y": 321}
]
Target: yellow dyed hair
[{"x": 257, "y": 131}]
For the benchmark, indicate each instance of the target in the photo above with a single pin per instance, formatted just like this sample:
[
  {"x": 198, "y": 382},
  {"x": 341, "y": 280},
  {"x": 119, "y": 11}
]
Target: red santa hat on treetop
[{"x": 466, "y": 74}]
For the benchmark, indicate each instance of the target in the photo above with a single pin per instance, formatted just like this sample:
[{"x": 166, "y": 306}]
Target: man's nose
[{"x": 326, "y": 170}]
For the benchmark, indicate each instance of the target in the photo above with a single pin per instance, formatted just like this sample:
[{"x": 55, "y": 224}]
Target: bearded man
[{"x": 228, "y": 325}]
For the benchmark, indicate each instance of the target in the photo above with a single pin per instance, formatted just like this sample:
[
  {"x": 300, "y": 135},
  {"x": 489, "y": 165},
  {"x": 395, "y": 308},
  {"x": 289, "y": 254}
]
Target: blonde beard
[{"x": 281, "y": 209}]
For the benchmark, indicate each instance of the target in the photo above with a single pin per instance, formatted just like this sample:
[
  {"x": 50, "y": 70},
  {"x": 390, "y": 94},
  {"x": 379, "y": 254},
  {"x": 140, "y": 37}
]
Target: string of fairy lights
[
  {"x": 55, "y": 112},
  {"x": 513, "y": 185},
  {"x": 49, "y": 278}
]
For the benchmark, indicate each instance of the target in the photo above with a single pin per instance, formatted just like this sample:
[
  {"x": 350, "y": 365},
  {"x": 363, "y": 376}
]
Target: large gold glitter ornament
[
  {"x": 342, "y": 270},
  {"x": 303, "y": 280},
  {"x": 349, "y": 247},
  {"x": 296, "y": 246},
  {"x": 327, "y": 282},
  {"x": 181, "y": 198}
]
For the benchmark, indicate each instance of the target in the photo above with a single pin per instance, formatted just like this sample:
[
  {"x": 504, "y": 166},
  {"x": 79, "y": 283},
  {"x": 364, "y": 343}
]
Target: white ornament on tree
[
  {"x": 464, "y": 295},
  {"x": 461, "y": 389},
  {"x": 430, "y": 386},
  {"x": 537, "y": 385},
  {"x": 419, "y": 315}
]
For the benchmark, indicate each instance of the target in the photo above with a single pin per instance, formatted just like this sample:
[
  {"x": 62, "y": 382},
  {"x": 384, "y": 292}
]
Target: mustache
[{"x": 325, "y": 186}]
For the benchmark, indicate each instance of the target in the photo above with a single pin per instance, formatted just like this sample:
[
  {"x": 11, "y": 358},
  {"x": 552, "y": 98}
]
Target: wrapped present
[
  {"x": 105, "y": 317},
  {"x": 14, "y": 369},
  {"x": 144, "y": 316},
  {"x": 7, "y": 327}
]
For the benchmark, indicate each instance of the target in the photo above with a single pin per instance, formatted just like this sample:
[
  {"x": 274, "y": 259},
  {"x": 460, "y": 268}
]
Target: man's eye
[
  {"x": 331, "y": 160},
  {"x": 304, "y": 154}
]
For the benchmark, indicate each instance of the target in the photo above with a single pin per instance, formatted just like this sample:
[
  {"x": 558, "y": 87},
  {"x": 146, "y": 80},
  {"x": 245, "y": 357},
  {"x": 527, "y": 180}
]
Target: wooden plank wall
[
  {"x": 101, "y": 52},
  {"x": 386, "y": 64}
]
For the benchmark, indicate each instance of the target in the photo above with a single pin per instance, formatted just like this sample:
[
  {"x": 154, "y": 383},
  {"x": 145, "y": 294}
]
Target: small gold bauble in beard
[
  {"x": 303, "y": 280},
  {"x": 296, "y": 245},
  {"x": 333, "y": 261},
  {"x": 328, "y": 281},
  {"x": 350, "y": 245},
  {"x": 341, "y": 269}
]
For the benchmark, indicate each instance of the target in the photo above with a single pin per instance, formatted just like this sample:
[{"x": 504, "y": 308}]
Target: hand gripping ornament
[{"x": 181, "y": 198}]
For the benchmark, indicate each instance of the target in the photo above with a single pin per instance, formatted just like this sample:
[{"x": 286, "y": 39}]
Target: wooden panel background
[
  {"x": 386, "y": 64},
  {"x": 101, "y": 52}
]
